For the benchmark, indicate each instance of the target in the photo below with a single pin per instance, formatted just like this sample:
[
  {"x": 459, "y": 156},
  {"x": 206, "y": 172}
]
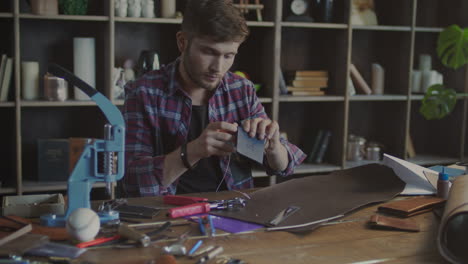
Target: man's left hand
[{"x": 264, "y": 129}]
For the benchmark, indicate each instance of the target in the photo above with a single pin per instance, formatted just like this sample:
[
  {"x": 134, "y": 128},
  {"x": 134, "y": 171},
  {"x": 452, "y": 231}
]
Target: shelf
[
  {"x": 264, "y": 100},
  {"x": 56, "y": 104},
  {"x": 7, "y": 104},
  {"x": 65, "y": 17},
  {"x": 426, "y": 160},
  {"x": 314, "y": 25},
  {"x": 429, "y": 29},
  {"x": 382, "y": 28},
  {"x": 419, "y": 97},
  {"x": 149, "y": 20},
  {"x": 352, "y": 164},
  {"x": 325, "y": 98},
  {"x": 385, "y": 97},
  {"x": 260, "y": 24},
  {"x": 7, "y": 190},
  {"x": 303, "y": 169},
  {"x": 34, "y": 186},
  {"x": 6, "y": 15}
]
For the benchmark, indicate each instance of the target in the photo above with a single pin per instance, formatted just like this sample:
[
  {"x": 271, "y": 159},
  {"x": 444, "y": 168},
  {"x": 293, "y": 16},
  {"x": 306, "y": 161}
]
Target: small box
[
  {"x": 44, "y": 7},
  {"x": 53, "y": 160},
  {"x": 33, "y": 205}
]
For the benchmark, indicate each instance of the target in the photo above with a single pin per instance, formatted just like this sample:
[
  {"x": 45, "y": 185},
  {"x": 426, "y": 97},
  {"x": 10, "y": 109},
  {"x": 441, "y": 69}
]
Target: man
[{"x": 182, "y": 119}]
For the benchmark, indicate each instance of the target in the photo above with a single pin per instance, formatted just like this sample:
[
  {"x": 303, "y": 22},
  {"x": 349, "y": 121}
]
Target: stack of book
[
  {"x": 6, "y": 67},
  {"x": 320, "y": 145},
  {"x": 307, "y": 82}
]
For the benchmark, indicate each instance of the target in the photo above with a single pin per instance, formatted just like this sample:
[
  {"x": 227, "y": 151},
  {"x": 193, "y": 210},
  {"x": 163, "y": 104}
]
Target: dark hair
[{"x": 218, "y": 19}]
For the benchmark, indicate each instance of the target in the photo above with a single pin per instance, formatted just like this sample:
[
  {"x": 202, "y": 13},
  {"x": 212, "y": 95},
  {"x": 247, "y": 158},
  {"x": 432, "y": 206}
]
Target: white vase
[
  {"x": 121, "y": 7},
  {"x": 148, "y": 8},
  {"x": 30, "y": 80},
  {"x": 168, "y": 8},
  {"x": 84, "y": 64},
  {"x": 134, "y": 8}
]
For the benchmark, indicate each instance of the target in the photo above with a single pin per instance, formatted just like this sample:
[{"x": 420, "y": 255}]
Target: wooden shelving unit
[{"x": 407, "y": 28}]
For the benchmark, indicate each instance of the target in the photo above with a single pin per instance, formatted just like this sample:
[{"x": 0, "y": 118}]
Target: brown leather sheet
[{"x": 320, "y": 197}]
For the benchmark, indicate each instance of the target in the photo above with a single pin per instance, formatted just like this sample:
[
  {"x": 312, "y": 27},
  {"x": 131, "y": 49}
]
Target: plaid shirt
[{"x": 157, "y": 113}]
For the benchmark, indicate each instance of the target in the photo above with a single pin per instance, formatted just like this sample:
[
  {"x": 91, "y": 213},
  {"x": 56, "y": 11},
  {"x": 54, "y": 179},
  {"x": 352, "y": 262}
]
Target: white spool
[{"x": 84, "y": 64}]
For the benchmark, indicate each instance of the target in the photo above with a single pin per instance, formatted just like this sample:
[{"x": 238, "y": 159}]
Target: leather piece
[
  {"x": 412, "y": 206},
  {"x": 320, "y": 197},
  {"x": 381, "y": 221}
]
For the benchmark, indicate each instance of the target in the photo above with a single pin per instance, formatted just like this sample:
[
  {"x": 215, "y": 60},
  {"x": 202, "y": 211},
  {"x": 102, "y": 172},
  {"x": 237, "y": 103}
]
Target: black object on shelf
[{"x": 322, "y": 10}]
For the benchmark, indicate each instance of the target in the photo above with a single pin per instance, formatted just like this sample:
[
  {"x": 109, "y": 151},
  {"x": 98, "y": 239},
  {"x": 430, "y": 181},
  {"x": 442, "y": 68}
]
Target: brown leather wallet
[
  {"x": 412, "y": 206},
  {"x": 393, "y": 223}
]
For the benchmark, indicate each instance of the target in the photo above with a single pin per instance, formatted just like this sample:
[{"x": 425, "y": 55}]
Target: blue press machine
[{"x": 86, "y": 171}]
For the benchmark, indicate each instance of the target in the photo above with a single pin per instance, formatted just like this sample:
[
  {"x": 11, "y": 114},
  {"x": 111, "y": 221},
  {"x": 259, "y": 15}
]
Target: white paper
[{"x": 414, "y": 175}]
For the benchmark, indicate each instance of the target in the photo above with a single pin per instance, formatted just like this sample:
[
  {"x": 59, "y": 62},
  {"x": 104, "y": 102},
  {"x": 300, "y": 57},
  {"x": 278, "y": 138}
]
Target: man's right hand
[{"x": 217, "y": 139}]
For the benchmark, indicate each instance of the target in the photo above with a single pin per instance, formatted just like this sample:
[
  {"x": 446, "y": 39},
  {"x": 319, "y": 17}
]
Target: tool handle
[
  {"x": 132, "y": 234},
  {"x": 191, "y": 209},
  {"x": 182, "y": 200},
  {"x": 97, "y": 241}
]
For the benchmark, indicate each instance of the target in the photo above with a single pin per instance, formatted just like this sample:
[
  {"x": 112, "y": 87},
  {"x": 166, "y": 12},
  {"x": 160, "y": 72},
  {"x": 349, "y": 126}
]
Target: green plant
[
  {"x": 452, "y": 50},
  {"x": 74, "y": 7}
]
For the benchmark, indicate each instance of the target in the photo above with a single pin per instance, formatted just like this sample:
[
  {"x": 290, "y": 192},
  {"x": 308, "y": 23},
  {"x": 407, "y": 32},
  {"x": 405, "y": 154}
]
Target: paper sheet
[{"x": 419, "y": 180}]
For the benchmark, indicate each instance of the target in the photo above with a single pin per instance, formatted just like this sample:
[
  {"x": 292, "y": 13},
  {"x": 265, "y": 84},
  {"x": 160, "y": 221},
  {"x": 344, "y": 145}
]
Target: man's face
[{"x": 206, "y": 61}]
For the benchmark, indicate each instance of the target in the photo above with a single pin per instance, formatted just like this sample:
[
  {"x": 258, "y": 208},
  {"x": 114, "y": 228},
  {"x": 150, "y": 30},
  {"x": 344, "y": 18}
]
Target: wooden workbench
[{"x": 347, "y": 241}]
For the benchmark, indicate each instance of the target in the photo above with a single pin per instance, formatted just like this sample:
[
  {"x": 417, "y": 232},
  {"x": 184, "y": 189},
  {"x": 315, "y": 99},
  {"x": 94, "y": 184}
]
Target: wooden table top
[{"x": 349, "y": 240}]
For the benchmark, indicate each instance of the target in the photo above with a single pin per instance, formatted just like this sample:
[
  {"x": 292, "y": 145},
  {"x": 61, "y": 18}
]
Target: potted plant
[
  {"x": 452, "y": 50},
  {"x": 73, "y": 7}
]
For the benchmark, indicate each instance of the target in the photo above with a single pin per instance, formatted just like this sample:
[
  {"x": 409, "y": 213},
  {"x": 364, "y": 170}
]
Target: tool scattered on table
[
  {"x": 210, "y": 255},
  {"x": 195, "y": 247},
  {"x": 192, "y": 208},
  {"x": 132, "y": 234},
  {"x": 129, "y": 211},
  {"x": 284, "y": 214},
  {"x": 87, "y": 170},
  {"x": 206, "y": 226},
  {"x": 97, "y": 241},
  {"x": 177, "y": 248}
]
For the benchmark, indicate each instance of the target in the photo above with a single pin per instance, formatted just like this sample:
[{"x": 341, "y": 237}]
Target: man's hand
[
  {"x": 216, "y": 139},
  {"x": 276, "y": 153},
  {"x": 264, "y": 129}
]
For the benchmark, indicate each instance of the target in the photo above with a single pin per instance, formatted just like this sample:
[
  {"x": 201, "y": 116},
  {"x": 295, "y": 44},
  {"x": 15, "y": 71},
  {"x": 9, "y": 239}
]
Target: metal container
[
  {"x": 356, "y": 148},
  {"x": 373, "y": 151}
]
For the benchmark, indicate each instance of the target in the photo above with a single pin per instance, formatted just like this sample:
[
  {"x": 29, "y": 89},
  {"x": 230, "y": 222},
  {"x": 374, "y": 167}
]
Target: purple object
[{"x": 227, "y": 224}]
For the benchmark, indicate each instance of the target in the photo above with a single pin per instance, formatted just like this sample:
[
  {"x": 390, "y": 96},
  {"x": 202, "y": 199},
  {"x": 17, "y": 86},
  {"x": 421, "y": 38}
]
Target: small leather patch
[
  {"x": 412, "y": 206},
  {"x": 393, "y": 223}
]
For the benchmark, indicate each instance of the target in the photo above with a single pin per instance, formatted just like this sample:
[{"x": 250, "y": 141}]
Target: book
[
  {"x": 311, "y": 93},
  {"x": 5, "y": 84},
  {"x": 3, "y": 61},
  {"x": 307, "y": 88},
  {"x": 315, "y": 82},
  {"x": 315, "y": 147},
  {"x": 359, "y": 81},
  {"x": 309, "y": 73},
  {"x": 282, "y": 84},
  {"x": 323, "y": 146}
]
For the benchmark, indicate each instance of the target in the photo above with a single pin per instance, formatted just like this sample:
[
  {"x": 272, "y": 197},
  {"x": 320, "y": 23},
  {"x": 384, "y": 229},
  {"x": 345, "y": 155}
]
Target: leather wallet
[
  {"x": 381, "y": 221},
  {"x": 412, "y": 206}
]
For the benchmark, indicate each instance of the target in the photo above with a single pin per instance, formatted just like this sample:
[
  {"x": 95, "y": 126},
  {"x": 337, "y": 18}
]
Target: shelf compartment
[
  {"x": 57, "y": 103},
  {"x": 325, "y": 98},
  {"x": 429, "y": 160},
  {"x": 302, "y": 51},
  {"x": 55, "y": 45},
  {"x": 379, "y": 121},
  {"x": 56, "y": 123},
  {"x": 35, "y": 186},
  {"x": 394, "y": 13},
  {"x": 389, "y": 49},
  {"x": 382, "y": 28},
  {"x": 302, "y": 121},
  {"x": 426, "y": 43},
  {"x": 65, "y": 17},
  {"x": 436, "y": 13},
  {"x": 8, "y": 148},
  {"x": 437, "y": 137},
  {"x": 313, "y": 25},
  {"x": 385, "y": 97}
]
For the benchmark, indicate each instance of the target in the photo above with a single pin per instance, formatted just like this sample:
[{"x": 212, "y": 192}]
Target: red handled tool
[
  {"x": 195, "y": 205},
  {"x": 191, "y": 209}
]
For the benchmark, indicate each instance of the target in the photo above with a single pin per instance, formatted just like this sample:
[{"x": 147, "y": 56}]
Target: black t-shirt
[{"x": 206, "y": 175}]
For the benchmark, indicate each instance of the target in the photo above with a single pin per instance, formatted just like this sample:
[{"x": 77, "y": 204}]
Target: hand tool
[
  {"x": 132, "y": 234},
  {"x": 205, "y": 207},
  {"x": 88, "y": 169}
]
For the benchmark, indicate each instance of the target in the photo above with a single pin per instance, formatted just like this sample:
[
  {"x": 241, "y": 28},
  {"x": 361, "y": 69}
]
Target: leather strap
[{"x": 183, "y": 156}]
